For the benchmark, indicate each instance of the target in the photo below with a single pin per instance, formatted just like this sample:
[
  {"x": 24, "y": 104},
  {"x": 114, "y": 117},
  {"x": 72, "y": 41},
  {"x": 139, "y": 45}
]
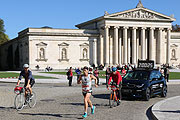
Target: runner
[{"x": 86, "y": 80}]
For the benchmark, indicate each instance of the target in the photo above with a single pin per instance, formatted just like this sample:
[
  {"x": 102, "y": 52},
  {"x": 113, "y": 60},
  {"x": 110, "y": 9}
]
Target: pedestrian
[
  {"x": 70, "y": 76},
  {"x": 167, "y": 74},
  {"x": 162, "y": 71},
  {"x": 78, "y": 72},
  {"x": 96, "y": 74},
  {"x": 123, "y": 71},
  {"x": 86, "y": 80},
  {"x": 90, "y": 70},
  {"x": 108, "y": 71}
]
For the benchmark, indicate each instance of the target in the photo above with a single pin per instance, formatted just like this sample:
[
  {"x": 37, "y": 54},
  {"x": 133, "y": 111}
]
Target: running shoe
[
  {"x": 85, "y": 115},
  {"x": 93, "y": 110}
]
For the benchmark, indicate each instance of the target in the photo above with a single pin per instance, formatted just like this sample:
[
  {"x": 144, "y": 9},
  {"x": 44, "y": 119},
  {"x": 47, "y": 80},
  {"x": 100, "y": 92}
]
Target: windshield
[{"x": 137, "y": 75}]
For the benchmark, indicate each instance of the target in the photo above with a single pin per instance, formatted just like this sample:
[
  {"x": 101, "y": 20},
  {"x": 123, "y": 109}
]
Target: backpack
[{"x": 68, "y": 73}]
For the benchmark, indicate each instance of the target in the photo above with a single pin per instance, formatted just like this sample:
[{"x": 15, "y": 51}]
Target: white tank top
[{"x": 86, "y": 84}]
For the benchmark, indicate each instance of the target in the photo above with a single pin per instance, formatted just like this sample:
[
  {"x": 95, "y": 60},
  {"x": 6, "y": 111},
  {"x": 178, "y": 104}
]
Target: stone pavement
[{"x": 168, "y": 109}]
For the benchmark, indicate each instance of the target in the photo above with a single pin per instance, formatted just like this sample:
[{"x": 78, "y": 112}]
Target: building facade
[{"x": 112, "y": 39}]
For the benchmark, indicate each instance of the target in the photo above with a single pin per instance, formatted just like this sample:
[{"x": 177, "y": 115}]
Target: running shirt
[{"x": 86, "y": 84}]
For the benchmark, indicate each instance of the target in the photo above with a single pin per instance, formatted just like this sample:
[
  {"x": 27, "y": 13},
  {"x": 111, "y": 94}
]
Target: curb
[
  {"x": 9, "y": 78},
  {"x": 156, "y": 107}
]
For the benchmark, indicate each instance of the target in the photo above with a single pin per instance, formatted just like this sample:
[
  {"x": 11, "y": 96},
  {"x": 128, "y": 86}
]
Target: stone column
[
  {"x": 151, "y": 45},
  {"x": 101, "y": 49},
  {"x": 134, "y": 45},
  {"x": 159, "y": 55},
  {"x": 125, "y": 44},
  {"x": 115, "y": 53},
  {"x": 95, "y": 52},
  {"x": 129, "y": 46},
  {"x": 143, "y": 43},
  {"x": 106, "y": 46},
  {"x": 120, "y": 42},
  {"x": 168, "y": 45},
  {"x": 137, "y": 47},
  {"x": 146, "y": 44}
]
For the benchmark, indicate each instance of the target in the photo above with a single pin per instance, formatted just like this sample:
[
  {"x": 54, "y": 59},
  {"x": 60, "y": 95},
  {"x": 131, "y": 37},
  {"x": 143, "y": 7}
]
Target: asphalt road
[{"x": 58, "y": 101}]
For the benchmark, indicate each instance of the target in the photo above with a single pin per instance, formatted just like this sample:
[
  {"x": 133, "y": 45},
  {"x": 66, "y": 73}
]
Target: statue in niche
[
  {"x": 64, "y": 53},
  {"x": 41, "y": 53},
  {"x": 84, "y": 53}
]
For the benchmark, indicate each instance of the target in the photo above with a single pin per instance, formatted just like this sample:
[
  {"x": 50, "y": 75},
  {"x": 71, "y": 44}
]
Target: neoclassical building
[{"x": 112, "y": 39}]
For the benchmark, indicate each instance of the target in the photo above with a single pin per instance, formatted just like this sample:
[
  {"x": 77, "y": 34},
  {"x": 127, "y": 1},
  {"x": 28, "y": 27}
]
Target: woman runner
[{"x": 86, "y": 80}]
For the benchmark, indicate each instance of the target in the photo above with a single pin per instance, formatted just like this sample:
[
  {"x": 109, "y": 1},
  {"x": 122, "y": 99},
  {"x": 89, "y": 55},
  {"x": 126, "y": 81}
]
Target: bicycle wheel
[
  {"x": 32, "y": 102},
  {"x": 19, "y": 101},
  {"x": 111, "y": 100}
]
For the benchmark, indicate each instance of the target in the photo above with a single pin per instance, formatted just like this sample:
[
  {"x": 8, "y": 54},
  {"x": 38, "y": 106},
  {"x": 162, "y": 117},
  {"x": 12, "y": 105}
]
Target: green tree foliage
[
  {"x": 3, "y": 37},
  {"x": 176, "y": 28}
]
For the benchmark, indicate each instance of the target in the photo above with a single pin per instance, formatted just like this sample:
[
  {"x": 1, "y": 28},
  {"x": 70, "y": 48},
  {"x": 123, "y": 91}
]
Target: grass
[
  {"x": 11, "y": 74},
  {"x": 101, "y": 73},
  {"x": 173, "y": 75}
]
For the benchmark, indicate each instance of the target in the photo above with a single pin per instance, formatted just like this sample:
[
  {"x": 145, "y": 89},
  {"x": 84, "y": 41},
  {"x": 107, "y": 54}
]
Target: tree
[
  {"x": 176, "y": 28},
  {"x": 3, "y": 37}
]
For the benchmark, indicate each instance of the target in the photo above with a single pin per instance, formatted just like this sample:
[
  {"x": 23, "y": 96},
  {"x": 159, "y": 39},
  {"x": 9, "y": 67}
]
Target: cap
[{"x": 25, "y": 66}]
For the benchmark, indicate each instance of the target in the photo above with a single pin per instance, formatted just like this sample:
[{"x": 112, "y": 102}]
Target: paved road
[{"x": 57, "y": 101}]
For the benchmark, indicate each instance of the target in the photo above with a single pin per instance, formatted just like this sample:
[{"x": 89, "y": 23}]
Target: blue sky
[{"x": 21, "y": 14}]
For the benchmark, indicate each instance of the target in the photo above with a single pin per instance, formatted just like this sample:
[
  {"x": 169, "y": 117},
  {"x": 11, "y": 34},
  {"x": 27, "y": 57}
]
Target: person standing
[
  {"x": 96, "y": 74},
  {"x": 167, "y": 74},
  {"x": 70, "y": 76},
  {"x": 108, "y": 71},
  {"x": 86, "y": 80},
  {"x": 78, "y": 72}
]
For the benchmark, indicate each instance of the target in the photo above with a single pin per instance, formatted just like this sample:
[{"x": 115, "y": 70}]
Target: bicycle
[
  {"x": 113, "y": 100},
  {"x": 20, "y": 102}
]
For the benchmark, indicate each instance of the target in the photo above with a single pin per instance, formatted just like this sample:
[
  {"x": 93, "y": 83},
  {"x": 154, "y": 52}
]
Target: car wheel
[
  {"x": 147, "y": 94},
  {"x": 164, "y": 91}
]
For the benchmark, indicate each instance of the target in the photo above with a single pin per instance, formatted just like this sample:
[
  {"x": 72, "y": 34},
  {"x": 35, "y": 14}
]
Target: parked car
[{"x": 144, "y": 83}]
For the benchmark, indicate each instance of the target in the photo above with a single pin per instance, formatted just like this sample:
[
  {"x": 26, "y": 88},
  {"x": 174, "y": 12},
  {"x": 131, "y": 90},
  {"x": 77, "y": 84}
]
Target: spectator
[
  {"x": 123, "y": 72},
  {"x": 162, "y": 71},
  {"x": 70, "y": 76},
  {"x": 37, "y": 67},
  {"x": 90, "y": 70},
  {"x": 78, "y": 72},
  {"x": 96, "y": 74},
  {"x": 167, "y": 74},
  {"x": 108, "y": 71}
]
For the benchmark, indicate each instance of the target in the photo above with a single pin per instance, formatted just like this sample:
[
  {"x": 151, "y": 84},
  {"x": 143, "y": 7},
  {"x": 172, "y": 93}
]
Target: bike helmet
[
  {"x": 114, "y": 69},
  {"x": 25, "y": 66}
]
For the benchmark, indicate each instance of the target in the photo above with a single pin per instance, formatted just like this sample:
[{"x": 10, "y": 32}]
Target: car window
[
  {"x": 137, "y": 75},
  {"x": 155, "y": 74}
]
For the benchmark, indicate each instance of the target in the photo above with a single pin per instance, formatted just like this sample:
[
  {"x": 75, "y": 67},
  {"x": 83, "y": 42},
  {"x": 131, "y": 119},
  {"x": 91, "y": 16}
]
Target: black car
[{"x": 144, "y": 83}]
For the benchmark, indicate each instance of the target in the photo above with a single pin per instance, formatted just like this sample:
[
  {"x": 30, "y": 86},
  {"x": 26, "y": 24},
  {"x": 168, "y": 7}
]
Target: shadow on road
[
  {"x": 54, "y": 115},
  {"x": 101, "y": 96},
  {"x": 6, "y": 108},
  {"x": 80, "y": 104},
  {"x": 149, "y": 113}
]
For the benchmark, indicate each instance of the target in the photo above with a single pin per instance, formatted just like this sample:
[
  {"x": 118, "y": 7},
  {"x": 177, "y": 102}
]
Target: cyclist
[
  {"x": 29, "y": 80},
  {"x": 86, "y": 80},
  {"x": 115, "y": 75}
]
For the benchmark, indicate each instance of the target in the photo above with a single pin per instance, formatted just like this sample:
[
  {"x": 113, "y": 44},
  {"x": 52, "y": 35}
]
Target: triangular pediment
[
  {"x": 140, "y": 13},
  {"x": 84, "y": 44},
  {"x": 174, "y": 45},
  {"x": 63, "y": 44},
  {"x": 41, "y": 44}
]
